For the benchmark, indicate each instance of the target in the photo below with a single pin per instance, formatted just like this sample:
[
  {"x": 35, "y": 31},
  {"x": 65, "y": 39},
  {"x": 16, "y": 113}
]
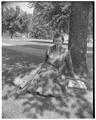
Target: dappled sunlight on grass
[
  {"x": 72, "y": 105},
  {"x": 15, "y": 64}
]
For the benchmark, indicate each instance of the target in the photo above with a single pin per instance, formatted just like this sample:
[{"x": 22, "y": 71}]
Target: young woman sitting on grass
[{"x": 50, "y": 77}]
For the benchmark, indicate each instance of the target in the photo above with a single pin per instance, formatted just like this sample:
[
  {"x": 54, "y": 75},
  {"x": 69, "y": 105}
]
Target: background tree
[
  {"x": 15, "y": 20},
  {"x": 9, "y": 16},
  {"x": 4, "y": 23},
  {"x": 23, "y": 23}
]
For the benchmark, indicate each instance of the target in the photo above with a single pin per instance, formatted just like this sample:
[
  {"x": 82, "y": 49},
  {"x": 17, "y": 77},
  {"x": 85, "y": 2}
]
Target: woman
[
  {"x": 49, "y": 78},
  {"x": 60, "y": 57}
]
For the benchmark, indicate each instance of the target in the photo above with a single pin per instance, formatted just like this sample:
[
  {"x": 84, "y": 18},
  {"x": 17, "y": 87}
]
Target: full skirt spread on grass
[{"x": 45, "y": 80}]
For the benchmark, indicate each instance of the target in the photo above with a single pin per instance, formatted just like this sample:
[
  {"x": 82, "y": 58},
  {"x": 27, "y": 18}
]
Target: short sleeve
[{"x": 46, "y": 54}]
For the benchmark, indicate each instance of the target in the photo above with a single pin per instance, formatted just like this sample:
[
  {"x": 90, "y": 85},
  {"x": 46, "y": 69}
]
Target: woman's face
[{"x": 58, "y": 41}]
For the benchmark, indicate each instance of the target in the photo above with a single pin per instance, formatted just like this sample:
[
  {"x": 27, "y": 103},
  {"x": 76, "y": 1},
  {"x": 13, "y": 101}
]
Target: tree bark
[{"x": 78, "y": 35}]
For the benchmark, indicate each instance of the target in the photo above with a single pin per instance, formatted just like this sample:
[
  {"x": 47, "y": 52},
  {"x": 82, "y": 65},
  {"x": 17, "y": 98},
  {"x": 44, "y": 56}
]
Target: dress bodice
[{"x": 56, "y": 57}]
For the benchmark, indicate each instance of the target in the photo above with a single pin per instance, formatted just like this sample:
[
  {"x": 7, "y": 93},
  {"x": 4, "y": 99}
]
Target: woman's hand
[{"x": 76, "y": 77}]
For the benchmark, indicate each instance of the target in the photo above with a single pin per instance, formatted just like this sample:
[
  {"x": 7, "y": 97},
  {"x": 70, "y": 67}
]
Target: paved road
[
  {"x": 18, "y": 45},
  {"x": 33, "y": 41}
]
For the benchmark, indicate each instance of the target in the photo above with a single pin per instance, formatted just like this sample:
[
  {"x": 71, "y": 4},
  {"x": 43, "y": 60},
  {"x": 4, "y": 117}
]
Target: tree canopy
[
  {"x": 14, "y": 20},
  {"x": 49, "y": 17}
]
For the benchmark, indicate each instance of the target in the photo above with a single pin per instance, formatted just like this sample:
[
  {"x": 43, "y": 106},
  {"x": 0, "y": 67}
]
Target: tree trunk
[
  {"x": 78, "y": 35},
  {"x": 2, "y": 33}
]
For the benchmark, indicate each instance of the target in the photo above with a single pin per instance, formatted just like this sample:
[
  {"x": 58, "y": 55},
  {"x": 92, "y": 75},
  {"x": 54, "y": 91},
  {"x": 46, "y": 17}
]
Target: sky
[{"x": 23, "y": 6}]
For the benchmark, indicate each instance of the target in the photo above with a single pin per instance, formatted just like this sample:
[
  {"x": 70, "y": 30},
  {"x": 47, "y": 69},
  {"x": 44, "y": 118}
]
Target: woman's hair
[{"x": 57, "y": 35}]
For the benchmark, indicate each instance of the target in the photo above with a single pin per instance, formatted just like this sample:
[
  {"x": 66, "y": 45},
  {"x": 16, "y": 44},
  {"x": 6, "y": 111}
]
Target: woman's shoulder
[{"x": 51, "y": 48}]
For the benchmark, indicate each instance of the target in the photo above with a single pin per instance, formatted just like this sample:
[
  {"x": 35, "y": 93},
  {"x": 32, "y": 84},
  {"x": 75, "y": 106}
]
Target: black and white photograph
[{"x": 47, "y": 59}]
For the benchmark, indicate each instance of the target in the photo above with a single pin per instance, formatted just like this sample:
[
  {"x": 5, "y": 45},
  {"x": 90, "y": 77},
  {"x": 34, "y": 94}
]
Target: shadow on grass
[
  {"x": 73, "y": 105},
  {"x": 15, "y": 64}
]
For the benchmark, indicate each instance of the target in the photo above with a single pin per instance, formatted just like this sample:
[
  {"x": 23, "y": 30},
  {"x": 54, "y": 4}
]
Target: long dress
[{"x": 48, "y": 78}]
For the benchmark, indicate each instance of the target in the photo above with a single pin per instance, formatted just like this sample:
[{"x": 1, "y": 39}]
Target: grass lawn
[
  {"x": 90, "y": 48},
  {"x": 17, "y": 63},
  {"x": 18, "y": 60},
  {"x": 37, "y": 46}
]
